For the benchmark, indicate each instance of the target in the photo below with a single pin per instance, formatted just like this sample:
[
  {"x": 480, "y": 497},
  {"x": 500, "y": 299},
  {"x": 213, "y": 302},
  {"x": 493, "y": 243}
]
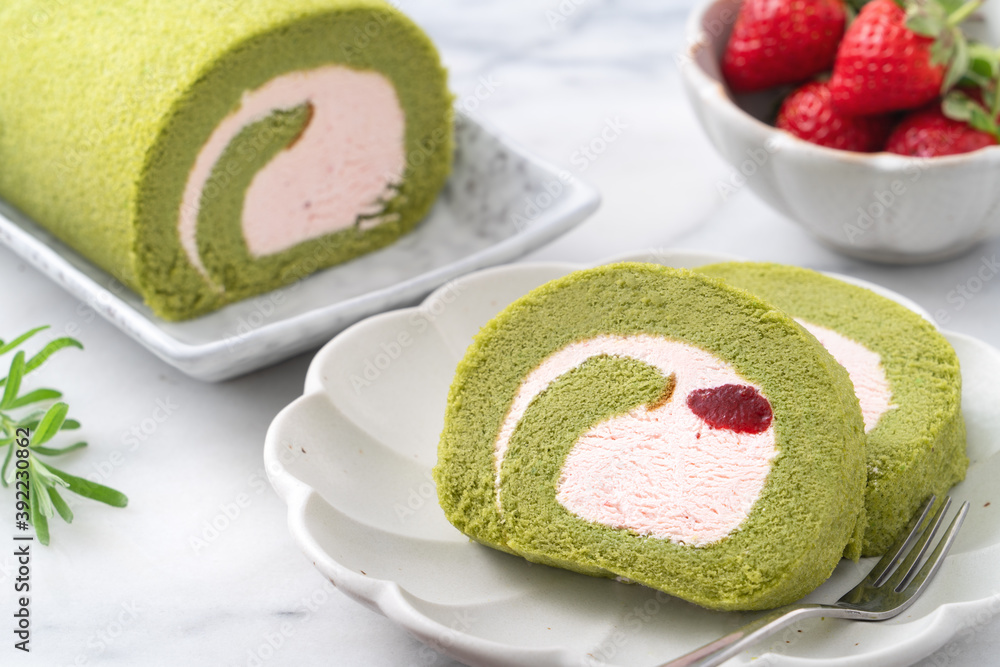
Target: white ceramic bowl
[{"x": 881, "y": 206}]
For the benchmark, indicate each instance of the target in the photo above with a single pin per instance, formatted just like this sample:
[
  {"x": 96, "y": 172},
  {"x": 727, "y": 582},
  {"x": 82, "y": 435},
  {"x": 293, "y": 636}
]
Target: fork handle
[{"x": 724, "y": 648}]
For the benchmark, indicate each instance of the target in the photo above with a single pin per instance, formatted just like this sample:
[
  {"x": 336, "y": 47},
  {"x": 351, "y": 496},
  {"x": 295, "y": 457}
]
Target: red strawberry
[
  {"x": 929, "y": 133},
  {"x": 808, "y": 113},
  {"x": 775, "y": 42},
  {"x": 883, "y": 65}
]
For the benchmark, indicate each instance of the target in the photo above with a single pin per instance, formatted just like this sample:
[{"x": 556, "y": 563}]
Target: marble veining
[{"x": 120, "y": 588}]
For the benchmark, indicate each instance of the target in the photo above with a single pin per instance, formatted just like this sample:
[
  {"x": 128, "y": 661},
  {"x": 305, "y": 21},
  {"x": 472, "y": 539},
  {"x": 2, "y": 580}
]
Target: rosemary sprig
[{"x": 44, "y": 416}]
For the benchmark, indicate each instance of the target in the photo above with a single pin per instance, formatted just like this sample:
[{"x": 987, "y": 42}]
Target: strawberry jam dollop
[{"x": 736, "y": 407}]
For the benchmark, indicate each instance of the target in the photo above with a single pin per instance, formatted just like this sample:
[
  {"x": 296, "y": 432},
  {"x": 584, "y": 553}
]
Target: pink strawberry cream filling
[
  {"x": 343, "y": 165},
  {"x": 865, "y": 368},
  {"x": 687, "y": 469}
]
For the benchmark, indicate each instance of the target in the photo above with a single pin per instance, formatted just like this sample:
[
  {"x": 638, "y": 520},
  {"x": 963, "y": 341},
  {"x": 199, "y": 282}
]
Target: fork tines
[{"x": 901, "y": 565}]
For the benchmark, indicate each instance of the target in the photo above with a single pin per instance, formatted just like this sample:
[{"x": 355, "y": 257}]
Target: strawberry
[
  {"x": 928, "y": 132},
  {"x": 893, "y": 59},
  {"x": 775, "y": 42},
  {"x": 808, "y": 113}
]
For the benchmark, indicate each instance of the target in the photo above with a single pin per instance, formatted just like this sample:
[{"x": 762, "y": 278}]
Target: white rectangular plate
[{"x": 499, "y": 203}]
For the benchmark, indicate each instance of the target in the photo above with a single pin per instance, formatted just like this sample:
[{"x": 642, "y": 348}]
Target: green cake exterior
[
  {"x": 812, "y": 501},
  {"x": 104, "y": 106},
  {"x": 917, "y": 448}
]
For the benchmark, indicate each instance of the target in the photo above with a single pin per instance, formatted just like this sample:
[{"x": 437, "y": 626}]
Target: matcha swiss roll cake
[
  {"x": 656, "y": 424},
  {"x": 206, "y": 151},
  {"x": 905, "y": 374}
]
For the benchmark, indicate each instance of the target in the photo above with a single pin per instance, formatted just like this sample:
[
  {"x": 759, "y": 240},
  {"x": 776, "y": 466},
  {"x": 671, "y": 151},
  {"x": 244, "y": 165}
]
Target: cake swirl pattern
[
  {"x": 339, "y": 169},
  {"x": 660, "y": 469}
]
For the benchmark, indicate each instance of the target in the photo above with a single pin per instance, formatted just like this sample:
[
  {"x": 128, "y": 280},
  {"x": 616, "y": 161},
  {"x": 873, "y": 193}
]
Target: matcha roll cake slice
[
  {"x": 906, "y": 376},
  {"x": 203, "y": 152},
  {"x": 658, "y": 425}
]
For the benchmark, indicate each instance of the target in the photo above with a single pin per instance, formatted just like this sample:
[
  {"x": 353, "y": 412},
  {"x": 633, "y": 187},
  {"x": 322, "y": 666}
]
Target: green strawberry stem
[
  {"x": 982, "y": 76},
  {"x": 965, "y": 11},
  {"x": 995, "y": 90},
  {"x": 940, "y": 20},
  {"x": 959, "y": 106}
]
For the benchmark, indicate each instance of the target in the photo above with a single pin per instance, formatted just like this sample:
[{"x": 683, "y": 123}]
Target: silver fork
[{"x": 889, "y": 589}]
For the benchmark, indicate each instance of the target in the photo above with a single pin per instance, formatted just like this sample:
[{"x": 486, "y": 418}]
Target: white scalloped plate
[{"x": 352, "y": 458}]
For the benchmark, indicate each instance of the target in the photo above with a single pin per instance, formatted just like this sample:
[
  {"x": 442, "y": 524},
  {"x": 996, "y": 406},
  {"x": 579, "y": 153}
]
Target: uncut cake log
[
  {"x": 658, "y": 425},
  {"x": 202, "y": 152},
  {"x": 906, "y": 376}
]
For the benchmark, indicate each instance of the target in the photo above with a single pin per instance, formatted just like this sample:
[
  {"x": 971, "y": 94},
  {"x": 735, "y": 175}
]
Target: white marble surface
[{"x": 130, "y": 587}]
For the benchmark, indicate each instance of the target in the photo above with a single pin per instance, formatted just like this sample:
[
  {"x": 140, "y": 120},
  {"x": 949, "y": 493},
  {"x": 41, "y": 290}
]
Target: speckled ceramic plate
[
  {"x": 499, "y": 203},
  {"x": 352, "y": 458}
]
